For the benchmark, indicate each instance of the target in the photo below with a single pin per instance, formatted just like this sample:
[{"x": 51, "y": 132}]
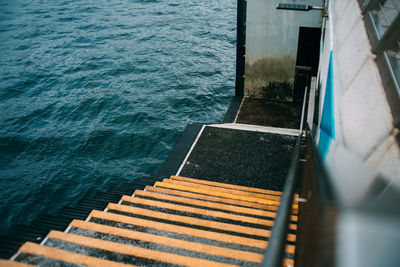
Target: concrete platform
[
  {"x": 272, "y": 113},
  {"x": 247, "y": 158}
]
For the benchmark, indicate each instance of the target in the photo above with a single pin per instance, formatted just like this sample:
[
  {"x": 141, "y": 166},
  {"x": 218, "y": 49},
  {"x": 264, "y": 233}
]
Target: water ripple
[{"x": 96, "y": 93}]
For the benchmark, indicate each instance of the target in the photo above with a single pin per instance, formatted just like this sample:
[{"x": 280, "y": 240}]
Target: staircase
[{"x": 178, "y": 221}]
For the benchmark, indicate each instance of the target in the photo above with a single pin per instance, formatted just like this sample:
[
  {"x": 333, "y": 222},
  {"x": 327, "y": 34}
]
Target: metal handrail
[{"x": 276, "y": 245}]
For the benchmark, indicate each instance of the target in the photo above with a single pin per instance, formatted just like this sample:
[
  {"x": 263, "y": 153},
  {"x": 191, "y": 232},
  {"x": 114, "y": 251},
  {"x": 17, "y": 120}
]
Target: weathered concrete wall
[
  {"x": 271, "y": 46},
  {"x": 365, "y": 138}
]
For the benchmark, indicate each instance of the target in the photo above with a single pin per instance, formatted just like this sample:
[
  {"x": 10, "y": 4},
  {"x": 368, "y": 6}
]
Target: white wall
[
  {"x": 363, "y": 120},
  {"x": 272, "y": 39}
]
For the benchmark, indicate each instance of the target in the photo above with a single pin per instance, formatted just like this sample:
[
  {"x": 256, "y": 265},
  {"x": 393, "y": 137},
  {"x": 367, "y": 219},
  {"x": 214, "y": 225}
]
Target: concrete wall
[
  {"x": 271, "y": 46},
  {"x": 365, "y": 138}
]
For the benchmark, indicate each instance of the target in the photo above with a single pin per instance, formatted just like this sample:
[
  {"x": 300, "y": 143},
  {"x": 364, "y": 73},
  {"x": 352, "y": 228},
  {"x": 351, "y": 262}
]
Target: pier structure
[{"x": 223, "y": 217}]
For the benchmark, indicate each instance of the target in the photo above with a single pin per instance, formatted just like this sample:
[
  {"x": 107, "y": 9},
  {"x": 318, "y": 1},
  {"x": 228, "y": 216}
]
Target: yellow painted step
[
  {"x": 132, "y": 250},
  {"x": 213, "y": 198},
  {"x": 222, "y": 189},
  {"x": 205, "y": 212},
  {"x": 220, "y": 237},
  {"x": 227, "y": 238},
  {"x": 197, "y": 190},
  {"x": 8, "y": 263},
  {"x": 220, "y": 194},
  {"x": 190, "y": 220},
  {"x": 288, "y": 262},
  {"x": 171, "y": 242},
  {"x": 208, "y": 204},
  {"x": 237, "y": 187},
  {"x": 62, "y": 255}
]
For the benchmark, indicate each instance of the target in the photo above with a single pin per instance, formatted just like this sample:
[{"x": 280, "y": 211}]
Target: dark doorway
[{"x": 307, "y": 59}]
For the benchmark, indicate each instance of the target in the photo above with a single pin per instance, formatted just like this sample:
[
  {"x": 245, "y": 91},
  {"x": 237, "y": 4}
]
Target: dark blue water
[{"x": 96, "y": 93}]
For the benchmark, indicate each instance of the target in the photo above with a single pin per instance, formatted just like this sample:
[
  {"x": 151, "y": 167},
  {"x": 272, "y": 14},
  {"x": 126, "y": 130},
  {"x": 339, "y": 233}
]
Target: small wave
[{"x": 97, "y": 93}]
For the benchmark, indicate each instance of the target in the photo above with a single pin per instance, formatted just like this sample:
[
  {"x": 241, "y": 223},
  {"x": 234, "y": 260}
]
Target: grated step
[
  {"x": 179, "y": 221},
  {"x": 13, "y": 263}
]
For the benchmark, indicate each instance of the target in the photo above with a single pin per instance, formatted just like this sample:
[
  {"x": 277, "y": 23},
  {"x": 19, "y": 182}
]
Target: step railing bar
[
  {"x": 276, "y": 246},
  {"x": 390, "y": 35},
  {"x": 384, "y": 14},
  {"x": 368, "y": 6},
  {"x": 383, "y": 41},
  {"x": 396, "y": 5}
]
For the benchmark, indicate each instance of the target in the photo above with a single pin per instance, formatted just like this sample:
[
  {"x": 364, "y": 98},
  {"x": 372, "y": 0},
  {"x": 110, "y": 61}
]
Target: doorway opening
[{"x": 307, "y": 59}]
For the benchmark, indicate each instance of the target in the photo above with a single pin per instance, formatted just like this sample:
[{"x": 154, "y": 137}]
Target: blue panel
[
  {"x": 327, "y": 127},
  {"x": 324, "y": 143}
]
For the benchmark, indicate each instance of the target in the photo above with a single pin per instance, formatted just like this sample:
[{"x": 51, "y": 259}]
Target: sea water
[{"x": 96, "y": 93}]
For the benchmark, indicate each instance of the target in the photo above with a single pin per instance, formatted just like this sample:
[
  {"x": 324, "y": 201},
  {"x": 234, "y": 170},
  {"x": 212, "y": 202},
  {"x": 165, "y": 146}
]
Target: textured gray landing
[{"x": 248, "y": 158}]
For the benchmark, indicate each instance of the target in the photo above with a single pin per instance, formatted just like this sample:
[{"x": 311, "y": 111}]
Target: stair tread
[
  {"x": 222, "y": 189},
  {"x": 65, "y": 256},
  {"x": 194, "y": 246},
  {"x": 224, "y": 185},
  {"x": 185, "y": 230},
  {"x": 209, "y": 204},
  {"x": 236, "y": 202},
  {"x": 219, "y": 194},
  {"x": 132, "y": 250},
  {"x": 8, "y": 263},
  {"x": 191, "y": 220},
  {"x": 201, "y": 211}
]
